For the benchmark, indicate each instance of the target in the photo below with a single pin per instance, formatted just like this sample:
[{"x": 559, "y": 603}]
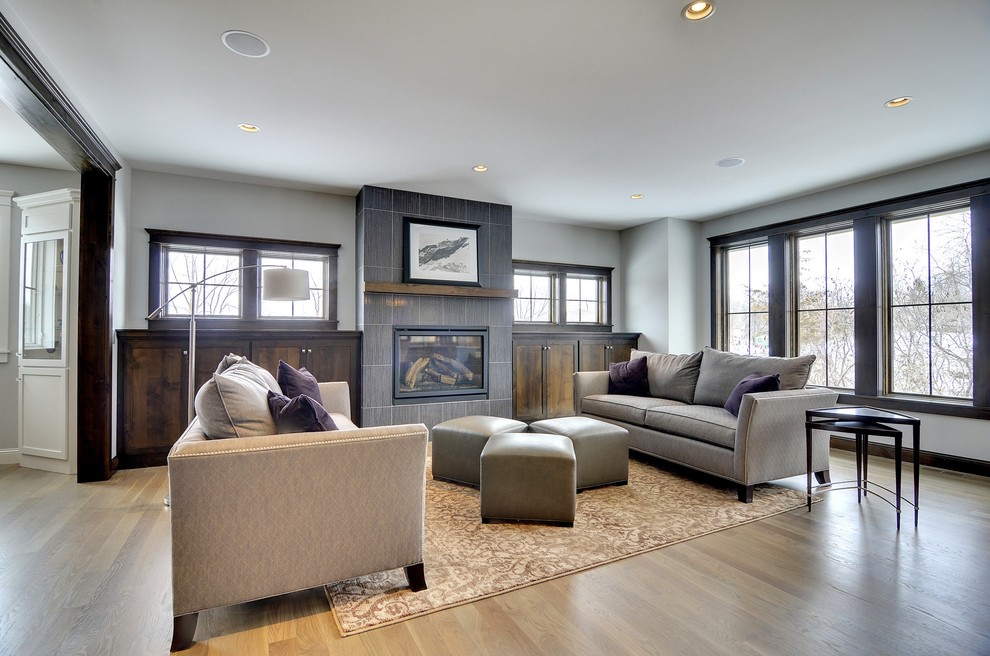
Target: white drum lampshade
[{"x": 284, "y": 284}]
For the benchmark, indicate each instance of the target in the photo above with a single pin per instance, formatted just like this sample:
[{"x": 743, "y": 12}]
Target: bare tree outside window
[
  {"x": 219, "y": 297},
  {"x": 825, "y": 294},
  {"x": 534, "y": 297},
  {"x": 316, "y": 306},
  {"x": 747, "y": 275},
  {"x": 931, "y": 304}
]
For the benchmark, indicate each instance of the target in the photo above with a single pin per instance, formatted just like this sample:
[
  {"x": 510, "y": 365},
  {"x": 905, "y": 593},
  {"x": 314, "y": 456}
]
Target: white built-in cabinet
[{"x": 47, "y": 330}]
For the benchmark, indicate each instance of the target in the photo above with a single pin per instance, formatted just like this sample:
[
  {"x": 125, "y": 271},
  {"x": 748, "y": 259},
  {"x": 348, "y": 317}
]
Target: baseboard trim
[
  {"x": 927, "y": 458},
  {"x": 10, "y": 457}
]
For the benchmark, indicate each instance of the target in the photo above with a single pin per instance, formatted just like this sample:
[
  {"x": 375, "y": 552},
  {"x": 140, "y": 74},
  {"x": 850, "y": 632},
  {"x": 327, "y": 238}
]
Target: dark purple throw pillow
[
  {"x": 301, "y": 414},
  {"x": 296, "y": 382},
  {"x": 750, "y": 384},
  {"x": 629, "y": 378}
]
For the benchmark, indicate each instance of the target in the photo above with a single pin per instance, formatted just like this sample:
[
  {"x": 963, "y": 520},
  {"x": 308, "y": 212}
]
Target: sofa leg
[
  {"x": 183, "y": 630},
  {"x": 416, "y": 575},
  {"x": 746, "y": 493},
  {"x": 823, "y": 477}
]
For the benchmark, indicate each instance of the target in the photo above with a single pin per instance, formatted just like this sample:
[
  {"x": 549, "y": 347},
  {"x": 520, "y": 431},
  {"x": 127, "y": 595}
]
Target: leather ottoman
[
  {"x": 457, "y": 445},
  {"x": 527, "y": 477},
  {"x": 601, "y": 449}
]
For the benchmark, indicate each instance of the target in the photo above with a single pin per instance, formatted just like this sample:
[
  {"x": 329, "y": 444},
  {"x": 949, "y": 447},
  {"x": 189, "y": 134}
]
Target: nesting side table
[{"x": 863, "y": 421}]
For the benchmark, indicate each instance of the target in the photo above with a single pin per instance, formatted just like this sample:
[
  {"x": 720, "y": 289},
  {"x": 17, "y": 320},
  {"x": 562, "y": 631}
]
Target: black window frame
[
  {"x": 560, "y": 273},
  {"x": 870, "y": 308},
  {"x": 250, "y": 249}
]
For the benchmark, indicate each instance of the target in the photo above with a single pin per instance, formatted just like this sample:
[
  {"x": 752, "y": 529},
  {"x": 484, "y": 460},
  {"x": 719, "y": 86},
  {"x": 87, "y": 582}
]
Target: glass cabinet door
[{"x": 42, "y": 304}]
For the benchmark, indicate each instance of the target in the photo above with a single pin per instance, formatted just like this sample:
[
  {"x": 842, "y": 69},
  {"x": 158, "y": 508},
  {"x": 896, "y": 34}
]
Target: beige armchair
[{"x": 260, "y": 516}]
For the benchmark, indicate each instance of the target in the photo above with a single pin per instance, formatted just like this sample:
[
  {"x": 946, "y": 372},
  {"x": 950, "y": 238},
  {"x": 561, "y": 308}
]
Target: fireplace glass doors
[{"x": 440, "y": 362}]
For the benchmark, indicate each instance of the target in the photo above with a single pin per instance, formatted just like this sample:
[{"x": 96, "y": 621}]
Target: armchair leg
[
  {"x": 416, "y": 575},
  {"x": 746, "y": 493},
  {"x": 183, "y": 630},
  {"x": 823, "y": 477}
]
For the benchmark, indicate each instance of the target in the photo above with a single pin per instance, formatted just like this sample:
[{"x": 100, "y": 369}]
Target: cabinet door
[
  {"x": 337, "y": 360},
  {"x": 594, "y": 355},
  {"x": 267, "y": 353},
  {"x": 527, "y": 380},
  {"x": 43, "y": 416},
  {"x": 620, "y": 350},
  {"x": 151, "y": 413},
  {"x": 560, "y": 364}
]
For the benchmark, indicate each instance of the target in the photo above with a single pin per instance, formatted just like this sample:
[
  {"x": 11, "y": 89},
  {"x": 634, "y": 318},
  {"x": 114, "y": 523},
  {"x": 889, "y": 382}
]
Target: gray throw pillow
[
  {"x": 671, "y": 376},
  {"x": 720, "y": 371},
  {"x": 239, "y": 363},
  {"x": 234, "y": 404}
]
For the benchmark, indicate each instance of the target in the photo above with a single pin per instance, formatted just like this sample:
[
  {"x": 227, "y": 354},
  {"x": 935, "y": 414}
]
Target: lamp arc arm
[{"x": 161, "y": 307}]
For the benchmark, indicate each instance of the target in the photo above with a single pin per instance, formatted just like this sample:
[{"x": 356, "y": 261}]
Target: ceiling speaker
[{"x": 245, "y": 43}]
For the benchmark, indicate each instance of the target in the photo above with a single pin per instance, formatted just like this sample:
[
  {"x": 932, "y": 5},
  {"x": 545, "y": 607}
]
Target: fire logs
[{"x": 437, "y": 368}]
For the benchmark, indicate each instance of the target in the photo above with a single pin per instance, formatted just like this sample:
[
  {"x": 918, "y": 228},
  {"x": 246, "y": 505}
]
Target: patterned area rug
[{"x": 467, "y": 560}]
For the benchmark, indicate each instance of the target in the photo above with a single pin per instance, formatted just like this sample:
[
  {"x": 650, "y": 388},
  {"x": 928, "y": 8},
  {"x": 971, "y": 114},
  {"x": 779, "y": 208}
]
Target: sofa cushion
[
  {"x": 302, "y": 414},
  {"x": 671, "y": 376},
  {"x": 751, "y": 384},
  {"x": 242, "y": 364},
  {"x": 234, "y": 404},
  {"x": 720, "y": 371},
  {"x": 296, "y": 382},
  {"x": 622, "y": 407},
  {"x": 628, "y": 378},
  {"x": 700, "y": 422}
]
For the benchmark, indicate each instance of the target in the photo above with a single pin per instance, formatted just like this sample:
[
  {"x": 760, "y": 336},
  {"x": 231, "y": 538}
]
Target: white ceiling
[{"x": 573, "y": 105}]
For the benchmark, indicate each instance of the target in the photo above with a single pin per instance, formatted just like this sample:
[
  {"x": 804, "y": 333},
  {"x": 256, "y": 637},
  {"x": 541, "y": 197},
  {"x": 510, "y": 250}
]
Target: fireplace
[{"x": 440, "y": 364}]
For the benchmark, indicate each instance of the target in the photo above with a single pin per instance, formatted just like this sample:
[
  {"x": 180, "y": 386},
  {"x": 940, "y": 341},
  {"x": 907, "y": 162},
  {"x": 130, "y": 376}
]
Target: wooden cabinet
[
  {"x": 597, "y": 353},
  {"x": 543, "y": 366},
  {"x": 541, "y": 377},
  {"x": 152, "y": 377}
]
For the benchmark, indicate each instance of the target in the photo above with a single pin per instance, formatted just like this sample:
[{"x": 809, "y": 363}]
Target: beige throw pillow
[
  {"x": 234, "y": 403},
  {"x": 671, "y": 376}
]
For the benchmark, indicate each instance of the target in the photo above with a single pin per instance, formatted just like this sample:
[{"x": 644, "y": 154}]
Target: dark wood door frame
[{"x": 28, "y": 89}]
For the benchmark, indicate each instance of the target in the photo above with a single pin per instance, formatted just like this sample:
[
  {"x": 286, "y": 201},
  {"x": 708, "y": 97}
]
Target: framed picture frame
[{"x": 440, "y": 253}]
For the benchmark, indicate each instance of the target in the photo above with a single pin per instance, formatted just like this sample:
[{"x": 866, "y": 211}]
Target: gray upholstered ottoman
[
  {"x": 601, "y": 449},
  {"x": 457, "y": 445},
  {"x": 528, "y": 477}
]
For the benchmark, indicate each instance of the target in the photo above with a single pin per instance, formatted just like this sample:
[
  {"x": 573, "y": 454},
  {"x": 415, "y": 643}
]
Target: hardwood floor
[{"x": 84, "y": 569}]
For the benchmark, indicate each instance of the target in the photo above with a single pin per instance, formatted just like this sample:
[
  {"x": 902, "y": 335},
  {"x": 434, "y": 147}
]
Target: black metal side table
[{"x": 864, "y": 421}]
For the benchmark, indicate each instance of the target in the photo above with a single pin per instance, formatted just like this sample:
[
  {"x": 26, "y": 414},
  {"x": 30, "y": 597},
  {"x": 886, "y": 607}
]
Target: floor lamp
[{"x": 279, "y": 283}]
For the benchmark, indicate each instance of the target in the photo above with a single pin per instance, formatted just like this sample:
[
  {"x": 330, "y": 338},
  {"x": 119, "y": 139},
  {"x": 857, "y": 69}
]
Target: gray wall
[
  {"x": 23, "y": 180},
  {"x": 177, "y": 202},
  {"x": 658, "y": 263}
]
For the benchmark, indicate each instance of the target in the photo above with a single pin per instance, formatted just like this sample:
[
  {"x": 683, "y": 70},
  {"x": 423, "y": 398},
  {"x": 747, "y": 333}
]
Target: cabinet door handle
[{"x": 185, "y": 352}]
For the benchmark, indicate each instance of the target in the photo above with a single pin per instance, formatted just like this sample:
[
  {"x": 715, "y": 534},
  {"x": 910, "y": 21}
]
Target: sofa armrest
[
  {"x": 336, "y": 398},
  {"x": 587, "y": 383},
  {"x": 770, "y": 434},
  {"x": 259, "y": 516}
]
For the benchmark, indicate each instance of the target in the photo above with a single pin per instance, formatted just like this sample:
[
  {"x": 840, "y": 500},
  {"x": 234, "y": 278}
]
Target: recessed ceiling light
[
  {"x": 696, "y": 11},
  {"x": 894, "y": 103},
  {"x": 247, "y": 127},
  {"x": 730, "y": 162},
  {"x": 245, "y": 43},
  {"x": 636, "y": 196},
  {"x": 480, "y": 168}
]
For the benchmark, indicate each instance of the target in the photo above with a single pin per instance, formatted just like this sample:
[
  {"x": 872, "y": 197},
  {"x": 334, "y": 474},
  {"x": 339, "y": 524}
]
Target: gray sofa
[
  {"x": 683, "y": 420},
  {"x": 265, "y": 515}
]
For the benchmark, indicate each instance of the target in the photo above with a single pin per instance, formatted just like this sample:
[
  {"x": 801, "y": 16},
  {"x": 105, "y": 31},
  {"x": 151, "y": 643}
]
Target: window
[
  {"x": 824, "y": 304},
  {"x": 534, "y": 297},
  {"x": 746, "y": 281},
  {"x": 893, "y": 298},
  {"x": 232, "y": 269},
  {"x": 931, "y": 304},
  {"x": 554, "y": 296}
]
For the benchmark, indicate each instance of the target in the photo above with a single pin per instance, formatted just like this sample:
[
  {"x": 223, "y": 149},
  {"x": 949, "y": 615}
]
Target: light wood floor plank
[{"x": 85, "y": 569}]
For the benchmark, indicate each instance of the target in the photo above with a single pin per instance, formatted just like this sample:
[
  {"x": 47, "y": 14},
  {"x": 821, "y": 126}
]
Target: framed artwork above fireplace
[{"x": 440, "y": 252}]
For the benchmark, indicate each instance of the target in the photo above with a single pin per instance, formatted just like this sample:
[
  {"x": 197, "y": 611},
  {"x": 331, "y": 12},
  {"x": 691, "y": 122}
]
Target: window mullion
[{"x": 250, "y": 285}]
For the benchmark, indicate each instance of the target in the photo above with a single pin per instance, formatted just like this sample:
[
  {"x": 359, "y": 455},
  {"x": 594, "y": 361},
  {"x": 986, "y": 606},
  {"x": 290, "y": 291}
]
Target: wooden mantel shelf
[{"x": 436, "y": 290}]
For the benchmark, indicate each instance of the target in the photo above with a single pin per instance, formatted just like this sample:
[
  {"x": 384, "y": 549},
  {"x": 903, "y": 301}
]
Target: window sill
[{"x": 902, "y": 404}]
